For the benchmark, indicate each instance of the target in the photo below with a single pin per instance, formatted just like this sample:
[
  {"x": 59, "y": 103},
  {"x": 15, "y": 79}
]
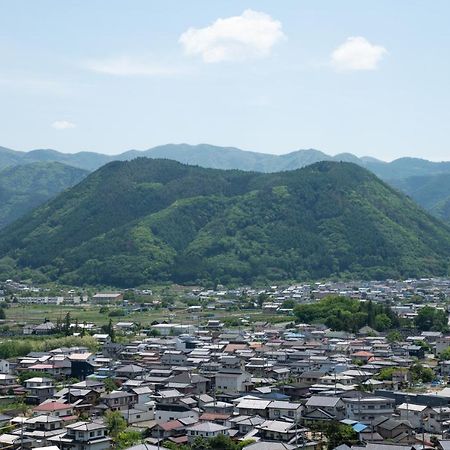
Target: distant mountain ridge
[
  {"x": 153, "y": 220},
  {"x": 432, "y": 192},
  {"x": 216, "y": 157},
  {"x": 25, "y": 187}
]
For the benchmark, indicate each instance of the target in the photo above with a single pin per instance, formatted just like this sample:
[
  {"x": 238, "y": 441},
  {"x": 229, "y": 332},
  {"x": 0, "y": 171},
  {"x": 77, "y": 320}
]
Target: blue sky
[{"x": 371, "y": 78}]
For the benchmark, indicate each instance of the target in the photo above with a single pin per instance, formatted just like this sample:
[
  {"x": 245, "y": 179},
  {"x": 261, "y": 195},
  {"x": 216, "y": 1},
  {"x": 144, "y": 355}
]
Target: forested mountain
[
  {"x": 147, "y": 220},
  {"x": 432, "y": 192},
  {"x": 25, "y": 187}
]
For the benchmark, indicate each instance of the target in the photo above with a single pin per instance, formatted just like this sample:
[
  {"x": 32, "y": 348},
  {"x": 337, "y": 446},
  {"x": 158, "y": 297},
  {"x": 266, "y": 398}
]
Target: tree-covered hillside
[
  {"x": 432, "y": 192},
  {"x": 25, "y": 187},
  {"x": 146, "y": 220}
]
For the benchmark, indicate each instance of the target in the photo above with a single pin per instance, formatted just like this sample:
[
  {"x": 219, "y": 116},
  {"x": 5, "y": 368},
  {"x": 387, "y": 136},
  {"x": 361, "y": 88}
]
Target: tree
[
  {"x": 431, "y": 319},
  {"x": 382, "y": 322},
  {"x": 111, "y": 332},
  {"x": 115, "y": 423},
  {"x": 83, "y": 330},
  {"x": 386, "y": 373},
  {"x": 394, "y": 336},
  {"x": 370, "y": 314},
  {"x": 445, "y": 354},
  {"x": 129, "y": 438},
  {"x": 338, "y": 434},
  {"x": 288, "y": 304},
  {"x": 419, "y": 373},
  {"x": 66, "y": 326},
  {"x": 110, "y": 385},
  {"x": 346, "y": 314},
  {"x": 30, "y": 374},
  {"x": 262, "y": 298}
]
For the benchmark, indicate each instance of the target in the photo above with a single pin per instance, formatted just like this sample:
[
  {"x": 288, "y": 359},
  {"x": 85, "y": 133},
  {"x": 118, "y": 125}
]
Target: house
[
  {"x": 83, "y": 436},
  {"x": 416, "y": 415},
  {"x": 167, "y": 412},
  {"x": 4, "y": 366},
  {"x": 245, "y": 424},
  {"x": 54, "y": 408},
  {"x": 322, "y": 408},
  {"x": 39, "y": 388},
  {"x": 391, "y": 429},
  {"x": 81, "y": 365},
  {"x": 232, "y": 381},
  {"x": 168, "y": 429},
  {"x": 277, "y": 430},
  {"x": 198, "y": 382},
  {"x": 107, "y": 297},
  {"x": 82, "y": 397},
  {"x": 129, "y": 371},
  {"x": 7, "y": 380},
  {"x": 136, "y": 415},
  {"x": 280, "y": 409},
  {"x": 118, "y": 400},
  {"x": 42, "y": 427},
  {"x": 368, "y": 408},
  {"x": 205, "y": 430}
]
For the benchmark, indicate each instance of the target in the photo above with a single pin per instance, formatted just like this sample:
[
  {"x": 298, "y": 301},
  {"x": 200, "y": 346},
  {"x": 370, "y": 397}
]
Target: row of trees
[{"x": 346, "y": 314}]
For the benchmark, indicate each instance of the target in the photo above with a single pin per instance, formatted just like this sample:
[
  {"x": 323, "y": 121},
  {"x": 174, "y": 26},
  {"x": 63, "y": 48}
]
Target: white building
[
  {"x": 205, "y": 430},
  {"x": 232, "y": 381}
]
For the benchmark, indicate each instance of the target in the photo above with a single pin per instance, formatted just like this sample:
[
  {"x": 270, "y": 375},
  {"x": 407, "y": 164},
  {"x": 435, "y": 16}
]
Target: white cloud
[
  {"x": 126, "y": 66},
  {"x": 250, "y": 35},
  {"x": 63, "y": 125},
  {"x": 357, "y": 53}
]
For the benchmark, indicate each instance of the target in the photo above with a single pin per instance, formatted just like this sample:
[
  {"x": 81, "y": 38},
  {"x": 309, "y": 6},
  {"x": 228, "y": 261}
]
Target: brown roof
[
  {"x": 214, "y": 416},
  {"x": 231, "y": 348},
  {"x": 171, "y": 425}
]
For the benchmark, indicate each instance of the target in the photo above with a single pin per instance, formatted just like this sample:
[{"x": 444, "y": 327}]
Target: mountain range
[
  {"x": 51, "y": 172},
  {"x": 215, "y": 157},
  {"x": 150, "y": 220}
]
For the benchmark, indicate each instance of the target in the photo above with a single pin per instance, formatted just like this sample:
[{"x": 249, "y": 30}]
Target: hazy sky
[{"x": 367, "y": 77}]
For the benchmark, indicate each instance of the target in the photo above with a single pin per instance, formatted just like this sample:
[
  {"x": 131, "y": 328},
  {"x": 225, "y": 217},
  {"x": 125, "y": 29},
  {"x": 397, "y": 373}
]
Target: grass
[{"x": 34, "y": 314}]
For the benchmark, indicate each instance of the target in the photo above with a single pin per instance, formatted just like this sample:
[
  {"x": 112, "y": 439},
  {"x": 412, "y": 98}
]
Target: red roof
[
  {"x": 52, "y": 406},
  {"x": 41, "y": 366},
  {"x": 363, "y": 353},
  {"x": 171, "y": 425}
]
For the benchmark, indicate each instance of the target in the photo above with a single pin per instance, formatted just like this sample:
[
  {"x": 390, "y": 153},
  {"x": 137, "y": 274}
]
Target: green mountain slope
[
  {"x": 25, "y": 187},
  {"x": 155, "y": 220},
  {"x": 432, "y": 192}
]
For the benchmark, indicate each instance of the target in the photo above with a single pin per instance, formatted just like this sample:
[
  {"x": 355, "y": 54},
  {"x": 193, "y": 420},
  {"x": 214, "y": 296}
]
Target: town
[{"x": 199, "y": 368}]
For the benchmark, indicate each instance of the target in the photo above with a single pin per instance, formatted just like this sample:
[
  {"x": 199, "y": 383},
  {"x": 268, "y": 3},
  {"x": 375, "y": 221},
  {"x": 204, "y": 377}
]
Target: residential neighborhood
[{"x": 258, "y": 380}]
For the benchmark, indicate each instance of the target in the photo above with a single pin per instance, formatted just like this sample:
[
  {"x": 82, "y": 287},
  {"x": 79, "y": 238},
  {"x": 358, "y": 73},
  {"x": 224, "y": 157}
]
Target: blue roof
[{"x": 358, "y": 427}]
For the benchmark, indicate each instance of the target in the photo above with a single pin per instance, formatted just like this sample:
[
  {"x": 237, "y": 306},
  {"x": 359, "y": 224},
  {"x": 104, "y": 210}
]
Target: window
[{"x": 92, "y": 434}]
